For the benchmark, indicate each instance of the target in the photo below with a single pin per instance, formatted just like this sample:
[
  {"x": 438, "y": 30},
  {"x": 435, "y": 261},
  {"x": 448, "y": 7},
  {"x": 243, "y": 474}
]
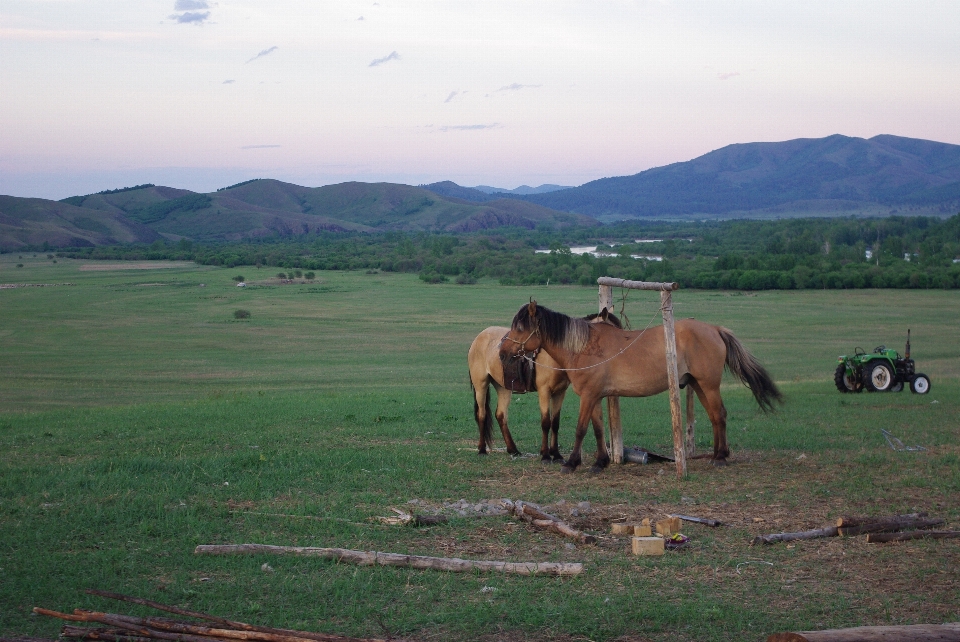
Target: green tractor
[{"x": 883, "y": 371}]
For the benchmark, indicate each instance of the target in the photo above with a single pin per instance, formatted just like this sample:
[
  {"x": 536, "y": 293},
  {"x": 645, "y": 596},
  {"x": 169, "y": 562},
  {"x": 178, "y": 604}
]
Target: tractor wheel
[
  {"x": 845, "y": 382},
  {"x": 878, "y": 376},
  {"x": 920, "y": 384}
]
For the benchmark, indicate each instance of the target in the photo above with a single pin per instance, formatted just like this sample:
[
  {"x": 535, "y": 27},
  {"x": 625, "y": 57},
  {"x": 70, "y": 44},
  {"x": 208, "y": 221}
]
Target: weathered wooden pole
[
  {"x": 680, "y": 440},
  {"x": 673, "y": 383},
  {"x": 613, "y": 403}
]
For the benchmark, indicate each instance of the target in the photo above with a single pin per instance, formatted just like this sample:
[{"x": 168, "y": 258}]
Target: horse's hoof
[
  {"x": 596, "y": 469},
  {"x": 566, "y": 470},
  {"x": 545, "y": 459},
  {"x": 557, "y": 457},
  {"x": 481, "y": 452},
  {"x": 515, "y": 453},
  {"x": 719, "y": 463}
]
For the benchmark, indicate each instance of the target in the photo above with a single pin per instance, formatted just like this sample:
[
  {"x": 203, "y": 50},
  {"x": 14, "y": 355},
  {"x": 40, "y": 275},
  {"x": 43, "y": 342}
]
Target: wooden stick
[
  {"x": 848, "y": 521},
  {"x": 24, "y": 638},
  {"x": 167, "y": 629},
  {"x": 891, "y": 525},
  {"x": 230, "y": 624},
  {"x": 829, "y": 531},
  {"x": 700, "y": 520},
  {"x": 879, "y": 538},
  {"x": 371, "y": 558},
  {"x": 109, "y": 635},
  {"x": 535, "y": 516},
  {"x": 914, "y": 633}
]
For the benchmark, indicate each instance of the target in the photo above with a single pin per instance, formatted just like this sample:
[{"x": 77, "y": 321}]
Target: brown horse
[
  {"x": 603, "y": 361},
  {"x": 541, "y": 374}
]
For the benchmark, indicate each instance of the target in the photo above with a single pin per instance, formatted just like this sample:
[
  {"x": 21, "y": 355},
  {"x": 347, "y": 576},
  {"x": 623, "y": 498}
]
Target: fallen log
[
  {"x": 371, "y": 558},
  {"x": 886, "y": 525},
  {"x": 850, "y": 521},
  {"x": 829, "y": 531},
  {"x": 700, "y": 520},
  {"x": 914, "y": 633},
  {"x": 879, "y": 538},
  {"x": 24, "y": 638},
  {"x": 539, "y": 519},
  {"x": 107, "y": 635},
  {"x": 230, "y": 624}
]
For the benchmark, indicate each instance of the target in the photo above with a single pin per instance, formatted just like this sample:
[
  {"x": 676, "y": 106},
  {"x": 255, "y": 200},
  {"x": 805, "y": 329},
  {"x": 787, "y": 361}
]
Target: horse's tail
[
  {"x": 748, "y": 370},
  {"x": 486, "y": 428}
]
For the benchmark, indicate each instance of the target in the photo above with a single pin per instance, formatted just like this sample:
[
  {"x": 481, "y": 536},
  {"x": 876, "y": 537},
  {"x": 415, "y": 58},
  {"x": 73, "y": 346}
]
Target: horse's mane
[{"x": 567, "y": 332}]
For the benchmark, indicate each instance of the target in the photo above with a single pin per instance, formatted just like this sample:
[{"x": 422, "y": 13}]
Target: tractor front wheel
[
  {"x": 846, "y": 382},
  {"x": 920, "y": 384},
  {"x": 878, "y": 376}
]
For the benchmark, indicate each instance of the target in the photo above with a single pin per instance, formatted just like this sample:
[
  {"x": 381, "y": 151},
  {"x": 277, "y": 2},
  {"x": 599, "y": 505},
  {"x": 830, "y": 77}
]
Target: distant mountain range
[
  {"x": 836, "y": 175},
  {"x": 256, "y": 209}
]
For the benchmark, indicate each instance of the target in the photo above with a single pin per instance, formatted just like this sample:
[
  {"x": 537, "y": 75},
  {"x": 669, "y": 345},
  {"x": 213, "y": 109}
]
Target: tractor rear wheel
[
  {"x": 845, "y": 382},
  {"x": 878, "y": 376},
  {"x": 920, "y": 384}
]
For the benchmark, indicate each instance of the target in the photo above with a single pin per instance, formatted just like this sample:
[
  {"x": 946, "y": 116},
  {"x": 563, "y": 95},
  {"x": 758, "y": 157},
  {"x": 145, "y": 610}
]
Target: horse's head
[{"x": 523, "y": 340}]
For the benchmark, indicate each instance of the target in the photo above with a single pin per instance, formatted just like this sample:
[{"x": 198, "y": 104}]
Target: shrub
[
  {"x": 298, "y": 273},
  {"x": 281, "y": 275},
  {"x": 465, "y": 279},
  {"x": 241, "y": 314},
  {"x": 19, "y": 264},
  {"x": 239, "y": 278},
  {"x": 432, "y": 277},
  {"x": 310, "y": 276}
]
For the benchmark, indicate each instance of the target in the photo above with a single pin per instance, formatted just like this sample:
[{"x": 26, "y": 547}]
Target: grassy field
[{"x": 139, "y": 418}]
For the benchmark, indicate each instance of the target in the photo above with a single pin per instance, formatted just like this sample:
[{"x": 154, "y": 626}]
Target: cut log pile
[
  {"x": 911, "y": 633},
  {"x": 892, "y": 528},
  {"x": 125, "y": 628},
  {"x": 536, "y": 517}
]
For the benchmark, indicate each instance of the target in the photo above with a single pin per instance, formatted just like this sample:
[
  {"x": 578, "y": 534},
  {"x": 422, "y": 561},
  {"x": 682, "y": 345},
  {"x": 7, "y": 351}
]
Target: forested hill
[{"x": 837, "y": 175}]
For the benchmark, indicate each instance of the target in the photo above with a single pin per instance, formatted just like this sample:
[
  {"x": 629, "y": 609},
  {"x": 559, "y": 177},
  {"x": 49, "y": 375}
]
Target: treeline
[{"x": 895, "y": 252}]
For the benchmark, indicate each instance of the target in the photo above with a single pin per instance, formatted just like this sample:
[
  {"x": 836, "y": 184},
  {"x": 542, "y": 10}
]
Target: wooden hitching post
[
  {"x": 613, "y": 403},
  {"x": 680, "y": 440},
  {"x": 673, "y": 383}
]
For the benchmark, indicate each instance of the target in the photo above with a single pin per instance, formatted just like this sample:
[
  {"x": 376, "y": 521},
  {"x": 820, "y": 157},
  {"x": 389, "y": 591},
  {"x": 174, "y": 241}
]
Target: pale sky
[{"x": 200, "y": 94}]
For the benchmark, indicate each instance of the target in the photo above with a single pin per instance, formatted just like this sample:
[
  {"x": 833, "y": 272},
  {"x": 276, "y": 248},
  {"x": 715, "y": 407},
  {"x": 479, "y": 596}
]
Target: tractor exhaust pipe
[{"x": 907, "y": 356}]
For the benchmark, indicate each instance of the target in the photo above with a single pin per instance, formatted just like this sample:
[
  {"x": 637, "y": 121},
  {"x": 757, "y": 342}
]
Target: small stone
[
  {"x": 570, "y": 546},
  {"x": 575, "y": 513},
  {"x": 687, "y": 500},
  {"x": 266, "y": 568},
  {"x": 561, "y": 502},
  {"x": 478, "y": 507},
  {"x": 584, "y": 506}
]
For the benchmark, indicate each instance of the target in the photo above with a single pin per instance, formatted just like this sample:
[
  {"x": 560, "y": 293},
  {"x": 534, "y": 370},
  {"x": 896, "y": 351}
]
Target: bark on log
[
  {"x": 370, "y": 558},
  {"x": 914, "y": 633},
  {"x": 539, "y": 519},
  {"x": 108, "y": 635},
  {"x": 24, "y": 638},
  {"x": 829, "y": 531},
  {"x": 879, "y": 538},
  {"x": 850, "y": 521},
  {"x": 890, "y": 526}
]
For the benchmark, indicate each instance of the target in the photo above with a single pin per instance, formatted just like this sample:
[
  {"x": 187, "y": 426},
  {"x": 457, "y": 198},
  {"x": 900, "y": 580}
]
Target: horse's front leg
[
  {"x": 603, "y": 457},
  {"x": 587, "y": 404},
  {"x": 556, "y": 404},
  {"x": 543, "y": 396}
]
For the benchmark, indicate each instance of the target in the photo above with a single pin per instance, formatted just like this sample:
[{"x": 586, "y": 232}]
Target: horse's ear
[
  {"x": 604, "y": 314},
  {"x": 532, "y": 308}
]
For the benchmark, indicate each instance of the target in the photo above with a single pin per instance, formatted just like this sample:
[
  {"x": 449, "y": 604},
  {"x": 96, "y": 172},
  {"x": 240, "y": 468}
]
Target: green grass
[{"x": 139, "y": 418}]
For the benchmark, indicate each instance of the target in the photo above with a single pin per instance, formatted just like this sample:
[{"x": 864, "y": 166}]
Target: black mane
[{"x": 555, "y": 327}]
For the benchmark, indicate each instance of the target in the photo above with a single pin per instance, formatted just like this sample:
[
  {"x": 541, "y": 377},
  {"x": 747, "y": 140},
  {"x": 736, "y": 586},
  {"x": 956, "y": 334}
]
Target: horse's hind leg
[
  {"x": 713, "y": 404},
  {"x": 503, "y": 402},
  {"x": 603, "y": 457},
  {"x": 481, "y": 412}
]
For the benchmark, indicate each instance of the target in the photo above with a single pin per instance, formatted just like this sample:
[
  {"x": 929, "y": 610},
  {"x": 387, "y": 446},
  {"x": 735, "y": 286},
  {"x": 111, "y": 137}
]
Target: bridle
[{"x": 523, "y": 353}]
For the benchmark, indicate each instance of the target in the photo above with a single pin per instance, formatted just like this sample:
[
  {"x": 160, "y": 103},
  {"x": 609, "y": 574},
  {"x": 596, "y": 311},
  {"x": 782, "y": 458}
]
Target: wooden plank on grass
[
  {"x": 914, "y": 633},
  {"x": 371, "y": 558}
]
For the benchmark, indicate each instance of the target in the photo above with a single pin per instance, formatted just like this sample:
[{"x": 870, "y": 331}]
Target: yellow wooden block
[
  {"x": 648, "y": 546},
  {"x": 668, "y": 527},
  {"x": 643, "y": 530},
  {"x": 622, "y": 529}
]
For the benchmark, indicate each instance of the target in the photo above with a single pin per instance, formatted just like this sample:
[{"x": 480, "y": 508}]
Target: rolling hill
[
  {"x": 256, "y": 209},
  {"x": 836, "y": 175}
]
